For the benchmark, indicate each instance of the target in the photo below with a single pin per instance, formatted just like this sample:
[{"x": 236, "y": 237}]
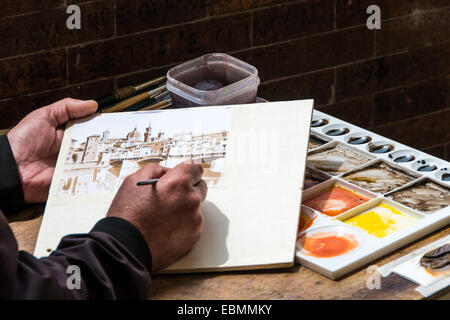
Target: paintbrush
[
  {"x": 161, "y": 95},
  {"x": 126, "y": 92},
  {"x": 158, "y": 106},
  {"x": 147, "y": 102},
  {"x": 134, "y": 100},
  {"x": 141, "y": 104},
  {"x": 162, "y": 105},
  {"x": 147, "y": 182}
]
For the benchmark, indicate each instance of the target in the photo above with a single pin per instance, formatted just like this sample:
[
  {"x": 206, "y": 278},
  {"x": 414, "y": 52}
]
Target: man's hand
[
  {"x": 168, "y": 214},
  {"x": 36, "y": 141}
]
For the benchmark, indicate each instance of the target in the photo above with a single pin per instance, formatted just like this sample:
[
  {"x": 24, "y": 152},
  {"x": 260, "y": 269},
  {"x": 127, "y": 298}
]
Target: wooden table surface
[{"x": 296, "y": 283}]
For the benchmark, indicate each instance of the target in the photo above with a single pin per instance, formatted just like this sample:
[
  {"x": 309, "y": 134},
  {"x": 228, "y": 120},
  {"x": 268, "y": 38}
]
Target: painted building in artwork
[{"x": 91, "y": 148}]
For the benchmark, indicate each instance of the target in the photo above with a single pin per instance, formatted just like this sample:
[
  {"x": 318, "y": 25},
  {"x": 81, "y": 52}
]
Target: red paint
[
  {"x": 335, "y": 201},
  {"x": 328, "y": 244}
]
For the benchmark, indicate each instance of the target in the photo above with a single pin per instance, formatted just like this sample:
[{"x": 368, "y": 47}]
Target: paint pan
[
  {"x": 410, "y": 267},
  {"x": 425, "y": 196},
  {"x": 437, "y": 261},
  {"x": 358, "y": 138},
  {"x": 403, "y": 156},
  {"x": 426, "y": 165},
  {"x": 335, "y": 200},
  {"x": 444, "y": 174},
  {"x": 307, "y": 218},
  {"x": 380, "y": 147},
  {"x": 336, "y": 159},
  {"x": 382, "y": 220},
  {"x": 315, "y": 142},
  {"x": 314, "y": 177},
  {"x": 380, "y": 177},
  {"x": 330, "y": 242},
  {"x": 320, "y": 122},
  {"x": 336, "y": 130}
]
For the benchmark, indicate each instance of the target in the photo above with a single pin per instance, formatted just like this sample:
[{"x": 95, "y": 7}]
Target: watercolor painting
[{"x": 106, "y": 149}]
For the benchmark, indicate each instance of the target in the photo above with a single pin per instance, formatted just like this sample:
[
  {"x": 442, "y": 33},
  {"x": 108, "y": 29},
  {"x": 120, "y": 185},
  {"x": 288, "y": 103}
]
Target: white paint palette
[{"x": 400, "y": 194}]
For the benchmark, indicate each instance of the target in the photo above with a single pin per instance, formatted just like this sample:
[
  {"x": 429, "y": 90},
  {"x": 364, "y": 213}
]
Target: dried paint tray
[
  {"x": 336, "y": 158},
  {"x": 314, "y": 177},
  {"x": 406, "y": 191}
]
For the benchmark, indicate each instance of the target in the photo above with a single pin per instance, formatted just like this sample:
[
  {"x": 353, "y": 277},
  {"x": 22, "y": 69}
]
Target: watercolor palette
[{"x": 365, "y": 196}]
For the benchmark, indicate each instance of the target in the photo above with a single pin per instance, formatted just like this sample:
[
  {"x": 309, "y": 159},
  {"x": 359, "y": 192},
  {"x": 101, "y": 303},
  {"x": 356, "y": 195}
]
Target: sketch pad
[{"x": 255, "y": 156}]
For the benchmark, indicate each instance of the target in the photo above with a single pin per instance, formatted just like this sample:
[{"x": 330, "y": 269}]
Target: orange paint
[
  {"x": 305, "y": 222},
  {"x": 445, "y": 272},
  {"x": 328, "y": 244},
  {"x": 431, "y": 273},
  {"x": 335, "y": 201}
]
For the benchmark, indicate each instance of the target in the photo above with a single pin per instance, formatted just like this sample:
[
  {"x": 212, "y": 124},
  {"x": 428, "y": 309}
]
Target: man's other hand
[
  {"x": 168, "y": 214},
  {"x": 36, "y": 141}
]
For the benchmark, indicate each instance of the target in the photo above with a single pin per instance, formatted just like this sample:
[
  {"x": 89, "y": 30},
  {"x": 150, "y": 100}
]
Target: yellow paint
[{"x": 382, "y": 220}]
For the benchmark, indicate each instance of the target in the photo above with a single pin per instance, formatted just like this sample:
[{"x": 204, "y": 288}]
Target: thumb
[{"x": 69, "y": 109}]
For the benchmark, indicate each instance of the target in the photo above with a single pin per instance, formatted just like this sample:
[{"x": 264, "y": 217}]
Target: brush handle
[
  {"x": 147, "y": 182},
  {"x": 4, "y": 132},
  {"x": 160, "y": 105},
  {"x": 150, "y": 83},
  {"x": 105, "y": 101},
  {"x": 127, "y": 103},
  {"x": 140, "y": 105},
  {"x": 115, "y": 97},
  {"x": 124, "y": 93}
]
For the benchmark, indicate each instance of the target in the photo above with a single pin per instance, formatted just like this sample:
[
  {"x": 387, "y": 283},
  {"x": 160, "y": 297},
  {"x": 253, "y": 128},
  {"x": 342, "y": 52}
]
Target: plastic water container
[{"x": 213, "y": 79}]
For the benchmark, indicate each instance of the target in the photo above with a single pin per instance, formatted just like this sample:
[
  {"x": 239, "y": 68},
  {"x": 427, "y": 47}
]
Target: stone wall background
[{"x": 394, "y": 81}]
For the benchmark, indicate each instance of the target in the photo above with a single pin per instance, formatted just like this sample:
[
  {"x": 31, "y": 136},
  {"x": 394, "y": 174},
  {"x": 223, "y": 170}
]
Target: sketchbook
[{"x": 254, "y": 159}]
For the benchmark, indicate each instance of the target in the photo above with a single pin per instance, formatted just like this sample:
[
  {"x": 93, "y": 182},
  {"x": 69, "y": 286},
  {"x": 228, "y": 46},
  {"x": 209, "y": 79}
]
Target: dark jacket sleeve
[
  {"x": 11, "y": 193},
  {"x": 113, "y": 260}
]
